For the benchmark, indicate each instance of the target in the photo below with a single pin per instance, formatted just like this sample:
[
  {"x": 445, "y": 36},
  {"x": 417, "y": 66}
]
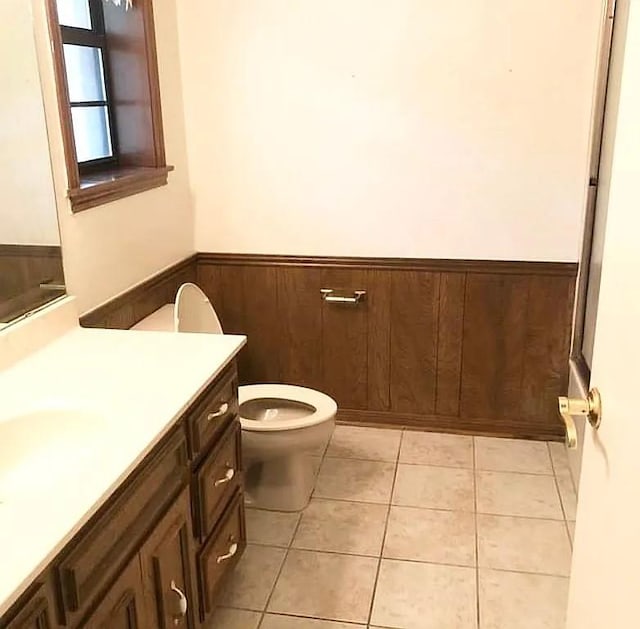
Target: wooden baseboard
[{"x": 495, "y": 427}]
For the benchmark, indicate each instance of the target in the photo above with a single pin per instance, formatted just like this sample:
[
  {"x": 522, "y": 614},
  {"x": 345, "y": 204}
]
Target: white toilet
[{"x": 283, "y": 425}]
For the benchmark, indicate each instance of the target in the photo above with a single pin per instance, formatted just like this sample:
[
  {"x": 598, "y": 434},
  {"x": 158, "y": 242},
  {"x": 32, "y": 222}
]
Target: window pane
[
  {"x": 74, "y": 13},
  {"x": 85, "y": 74},
  {"x": 91, "y": 132}
]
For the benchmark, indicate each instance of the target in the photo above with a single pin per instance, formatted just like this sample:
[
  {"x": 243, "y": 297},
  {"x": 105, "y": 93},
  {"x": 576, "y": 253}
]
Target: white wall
[
  {"x": 108, "y": 249},
  {"x": 27, "y": 205},
  {"x": 389, "y": 127}
]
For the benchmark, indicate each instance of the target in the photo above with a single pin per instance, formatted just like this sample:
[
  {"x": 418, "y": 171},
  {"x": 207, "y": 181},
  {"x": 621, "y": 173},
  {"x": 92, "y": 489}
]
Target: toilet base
[{"x": 280, "y": 484}]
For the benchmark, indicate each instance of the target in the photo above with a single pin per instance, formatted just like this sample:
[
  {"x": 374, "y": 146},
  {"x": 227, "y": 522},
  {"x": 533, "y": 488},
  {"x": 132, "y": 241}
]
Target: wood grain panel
[
  {"x": 300, "y": 312},
  {"x": 547, "y": 346},
  {"x": 379, "y": 339},
  {"x": 459, "y": 346},
  {"x": 125, "y": 310},
  {"x": 414, "y": 321},
  {"x": 449, "y": 362},
  {"x": 261, "y": 324},
  {"x": 344, "y": 340},
  {"x": 493, "y": 345}
]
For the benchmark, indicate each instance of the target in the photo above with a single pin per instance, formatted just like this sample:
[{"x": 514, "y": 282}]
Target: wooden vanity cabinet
[
  {"x": 168, "y": 569},
  {"x": 157, "y": 552},
  {"x": 124, "y": 605},
  {"x": 37, "y": 612}
]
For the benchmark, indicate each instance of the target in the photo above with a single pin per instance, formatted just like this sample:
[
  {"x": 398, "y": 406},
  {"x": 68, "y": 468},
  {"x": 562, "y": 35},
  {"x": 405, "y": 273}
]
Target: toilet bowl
[{"x": 283, "y": 426}]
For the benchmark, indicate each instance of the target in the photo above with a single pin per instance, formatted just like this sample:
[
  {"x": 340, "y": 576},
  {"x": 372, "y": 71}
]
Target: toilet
[{"x": 283, "y": 426}]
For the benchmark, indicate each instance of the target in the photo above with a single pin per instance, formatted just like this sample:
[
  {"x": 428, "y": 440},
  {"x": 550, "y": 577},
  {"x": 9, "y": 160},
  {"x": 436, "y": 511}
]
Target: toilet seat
[{"x": 325, "y": 407}]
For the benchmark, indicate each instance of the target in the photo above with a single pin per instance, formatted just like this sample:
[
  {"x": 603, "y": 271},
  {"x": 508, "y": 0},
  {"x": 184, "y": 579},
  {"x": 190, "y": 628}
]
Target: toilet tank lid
[{"x": 160, "y": 320}]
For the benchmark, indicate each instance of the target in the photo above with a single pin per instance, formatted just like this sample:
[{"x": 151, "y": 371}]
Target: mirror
[{"x": 30, "y": 254}]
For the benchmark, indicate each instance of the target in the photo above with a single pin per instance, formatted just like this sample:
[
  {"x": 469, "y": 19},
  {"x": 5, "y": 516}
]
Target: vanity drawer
[
  {"x": 217, "y": 479},
  {"x": 221, "y": 553},
  {"x": 114, "y": 535},
  {"x": 209, "y": 416}
]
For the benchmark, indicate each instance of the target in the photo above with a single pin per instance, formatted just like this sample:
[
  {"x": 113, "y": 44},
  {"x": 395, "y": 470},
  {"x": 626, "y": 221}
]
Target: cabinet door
[
  {"x": 167, "y": 565},
  {"x": 123, "y": 607}
]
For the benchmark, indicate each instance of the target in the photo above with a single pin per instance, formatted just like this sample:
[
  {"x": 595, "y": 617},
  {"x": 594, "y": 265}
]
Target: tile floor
[{"x": 414, "y": 530}]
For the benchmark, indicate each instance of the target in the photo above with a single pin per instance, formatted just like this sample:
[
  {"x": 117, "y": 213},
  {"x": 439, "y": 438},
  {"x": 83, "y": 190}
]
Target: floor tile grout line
[
  {"x": 454, "y": 467},
  {"x": 564, "y": 512},
  {"x": 384, "y": 533},
  {"x": 288, "y": 548},
  {"x": 475, "y": 520}
]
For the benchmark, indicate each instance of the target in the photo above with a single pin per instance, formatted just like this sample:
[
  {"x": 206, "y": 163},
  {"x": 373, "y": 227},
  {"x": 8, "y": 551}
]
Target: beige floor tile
[
  {"x": 434, "y": 487},
  {"x": 273, "y": 528},
  {"x": 559, "y": 456},
  {"x": 276, "y": 621},
  {"x": 415, "y": 595},
  {"x": 512, "y": 455},
  {"x": 523, "y": 544},
  {"x": 568, "y": 495},
  {"x": 253, "y": 578},
  {"x": 325, "y": 585},
  {"x": 572, "y": 531},
  {"x": 527, "y": 495},
  {"x": 342, "y": 527},
  {"x": 427, "y": 535},
  {"x": 351, "y": 479},
  {"x": 432, "y": 448},
  {"x": 225, "y": 618},
  {"x": 512, "y": 600},
  {"x": 374, "y": 444}
]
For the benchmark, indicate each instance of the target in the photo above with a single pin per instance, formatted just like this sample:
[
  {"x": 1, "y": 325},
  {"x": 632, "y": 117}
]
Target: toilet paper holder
[{"x": 353, "y": 299}]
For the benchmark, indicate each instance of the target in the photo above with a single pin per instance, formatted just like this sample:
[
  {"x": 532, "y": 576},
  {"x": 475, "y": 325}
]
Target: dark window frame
[
  {"x": 131, "y": 77},
  {"x": 95, "y": 38}
]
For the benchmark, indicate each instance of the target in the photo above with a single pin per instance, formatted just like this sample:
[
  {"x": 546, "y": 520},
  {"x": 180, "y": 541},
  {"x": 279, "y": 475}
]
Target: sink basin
[{"x": 40, "y": 448}]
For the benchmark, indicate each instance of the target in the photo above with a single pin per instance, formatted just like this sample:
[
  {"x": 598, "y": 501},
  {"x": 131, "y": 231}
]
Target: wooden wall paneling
[
  {"x": 379, "y": 339},
  {"x": 125, "y": 310},
  {"x": 547, "y": 349},
  {"x": 344, "y": 340},
  {"x": 414, "y": 321},
  {"x": 262, "y": 326},
  {"x": 449, "y": 362},
  {"x": 300, "y": 313},
  {"x": 493, "y": 345}
]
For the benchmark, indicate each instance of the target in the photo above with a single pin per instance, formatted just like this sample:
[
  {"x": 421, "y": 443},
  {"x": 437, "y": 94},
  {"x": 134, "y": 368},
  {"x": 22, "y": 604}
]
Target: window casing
[{"x": 109, "y": 99}]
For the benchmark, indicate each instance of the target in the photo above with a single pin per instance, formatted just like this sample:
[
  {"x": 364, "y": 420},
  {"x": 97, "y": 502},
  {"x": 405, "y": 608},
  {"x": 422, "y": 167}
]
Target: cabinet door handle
[
  {"x": 224, "y": 407},
  {"x": 182, "y": 604},
  {"x": 228, "y": 475},
  {"x": 233, "y": 549}
]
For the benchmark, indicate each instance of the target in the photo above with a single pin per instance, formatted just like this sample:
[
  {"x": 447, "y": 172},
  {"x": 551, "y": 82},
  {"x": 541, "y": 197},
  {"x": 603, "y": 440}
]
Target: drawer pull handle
[
  {"x": 228, "y": 475},
  {"x": 224, "y": 407},
  {"x": 182, "y": 604},
  {"x": 233, "y": 549}
]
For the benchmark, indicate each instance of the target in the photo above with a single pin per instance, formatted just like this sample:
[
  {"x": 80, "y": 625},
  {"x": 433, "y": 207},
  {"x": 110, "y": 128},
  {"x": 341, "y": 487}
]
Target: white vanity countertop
[{"x": 138, "y": 383}]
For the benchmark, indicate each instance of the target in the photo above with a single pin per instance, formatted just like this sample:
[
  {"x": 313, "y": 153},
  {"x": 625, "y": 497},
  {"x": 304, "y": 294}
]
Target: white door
[{"x": 605, "y": 578}]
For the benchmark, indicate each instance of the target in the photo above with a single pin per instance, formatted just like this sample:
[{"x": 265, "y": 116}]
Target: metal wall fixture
[{"x": 328, "y": 295}]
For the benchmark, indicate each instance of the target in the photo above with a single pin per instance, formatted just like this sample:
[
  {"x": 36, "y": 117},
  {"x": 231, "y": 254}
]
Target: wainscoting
[
  {"x": 467, "y": 346},
  {"x": 23, "y": 268},
  {"x": 127, "y": 309}
]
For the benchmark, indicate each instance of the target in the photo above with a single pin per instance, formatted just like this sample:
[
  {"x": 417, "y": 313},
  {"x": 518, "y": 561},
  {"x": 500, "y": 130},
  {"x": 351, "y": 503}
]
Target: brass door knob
[{"x": 589, "y": 407}]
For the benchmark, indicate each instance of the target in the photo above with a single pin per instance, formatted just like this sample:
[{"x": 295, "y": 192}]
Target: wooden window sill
[{"x": 104, "y": 187}]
